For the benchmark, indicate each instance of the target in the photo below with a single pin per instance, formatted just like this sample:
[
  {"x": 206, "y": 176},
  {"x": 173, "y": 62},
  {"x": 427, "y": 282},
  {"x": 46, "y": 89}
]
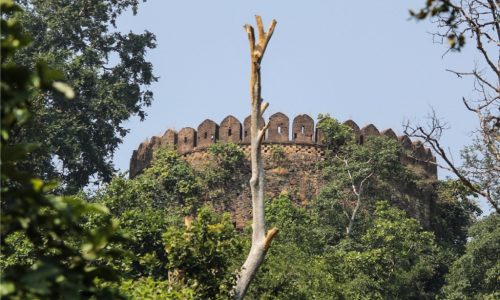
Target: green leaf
[
  {"x": 64, "y": 88},
  {"x": 7, "y": 287}
]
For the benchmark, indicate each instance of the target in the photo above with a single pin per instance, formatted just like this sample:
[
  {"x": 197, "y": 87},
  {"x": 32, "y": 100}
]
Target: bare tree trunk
[
  {"x": 353, "y": 216},
  {"x": 260, "y": 240},
  {"x": 358, "y": 192}
]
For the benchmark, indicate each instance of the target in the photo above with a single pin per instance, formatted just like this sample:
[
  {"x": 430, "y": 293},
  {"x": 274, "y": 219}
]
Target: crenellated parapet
[{"x": 303, "y": 133}]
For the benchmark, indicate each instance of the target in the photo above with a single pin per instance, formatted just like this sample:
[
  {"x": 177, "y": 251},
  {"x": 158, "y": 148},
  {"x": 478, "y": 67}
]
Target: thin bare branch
[
  {"x": 430, "y": 139},
  {"x": 476, "y": 75}
]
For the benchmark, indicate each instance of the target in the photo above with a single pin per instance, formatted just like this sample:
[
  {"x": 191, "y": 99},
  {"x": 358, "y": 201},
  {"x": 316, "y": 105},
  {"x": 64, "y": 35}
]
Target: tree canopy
[
  {"x": 46, "y": 251},
  {"x": 109, "y": 74}
]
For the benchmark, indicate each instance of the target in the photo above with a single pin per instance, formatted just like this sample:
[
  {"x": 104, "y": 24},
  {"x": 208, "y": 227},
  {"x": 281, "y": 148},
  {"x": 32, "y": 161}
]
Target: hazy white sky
[{"x": 364, "y": 60}]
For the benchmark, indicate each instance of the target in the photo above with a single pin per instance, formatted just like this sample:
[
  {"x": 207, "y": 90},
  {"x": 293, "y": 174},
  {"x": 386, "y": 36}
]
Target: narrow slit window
[
  {"x": 302, "y": 129},
  {"x": 246, "y": 133},
  {"x": 279, "y": 129},
  {"x": 185, "y": 140},
  {"x": 229, "y": 132},
  {"x": 361, "y": 139},
  {"x": 295, "y": 135},
  {"x": 205, "y": 135}
]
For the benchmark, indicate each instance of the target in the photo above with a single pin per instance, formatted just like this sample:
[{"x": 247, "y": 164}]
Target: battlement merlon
[{"x": 303, "y": 132}]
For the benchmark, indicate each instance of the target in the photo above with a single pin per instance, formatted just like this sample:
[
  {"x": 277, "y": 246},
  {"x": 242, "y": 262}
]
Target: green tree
[
  {"x": 147, "y": 288},
  {"x": 147, "y": 206},
  {"x": 334, "y": 134},
  {"x": 109, "y": 74},
  {"x": 222, "y": 176},
  {"x": 295, "y": 267},
  {"x": 394, "y": 259},
  {"x": 357, "y": 174},
  {"x": 40, "y": 256},
  {"x": 178, "y": 181},
  {"x": 475, "y": 275},
  {"x": 455, "y": 213},
  {"x": 179, "y": 248},
  {"x": 202, "y": 254}
]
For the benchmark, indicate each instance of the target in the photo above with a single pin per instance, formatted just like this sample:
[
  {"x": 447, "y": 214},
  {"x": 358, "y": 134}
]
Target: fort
[{"x": 300, "y": 146}]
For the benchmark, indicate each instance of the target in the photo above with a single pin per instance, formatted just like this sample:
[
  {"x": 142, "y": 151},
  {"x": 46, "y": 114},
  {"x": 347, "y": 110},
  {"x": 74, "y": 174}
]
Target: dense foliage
[
  {"x": 475, "y": 275},
  {"x": 295, "y": 266},
  {"x": 393, "y": 259},
  {"x": 177, "y": 242},
  {"x": 46, "y": 252},
  {"x": 109, "y": 75},
  {"x": 356, "y": 175}
]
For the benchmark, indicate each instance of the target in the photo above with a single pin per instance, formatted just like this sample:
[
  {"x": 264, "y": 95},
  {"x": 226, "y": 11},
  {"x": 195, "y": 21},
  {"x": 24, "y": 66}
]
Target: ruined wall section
[{"x": 303, "y": 133}]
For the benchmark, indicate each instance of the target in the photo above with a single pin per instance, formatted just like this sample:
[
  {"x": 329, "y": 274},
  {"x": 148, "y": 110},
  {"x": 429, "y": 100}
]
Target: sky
[{"x": 361, "y": 60}]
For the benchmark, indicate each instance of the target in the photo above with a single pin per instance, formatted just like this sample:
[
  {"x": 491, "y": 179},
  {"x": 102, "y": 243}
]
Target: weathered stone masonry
[{"x": 301, "y": 149}]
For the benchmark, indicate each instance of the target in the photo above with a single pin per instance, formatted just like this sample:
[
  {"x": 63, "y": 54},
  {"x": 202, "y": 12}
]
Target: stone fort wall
[
  {"x": 295, "y": 171},
  {"x": 299, "y": 143}
]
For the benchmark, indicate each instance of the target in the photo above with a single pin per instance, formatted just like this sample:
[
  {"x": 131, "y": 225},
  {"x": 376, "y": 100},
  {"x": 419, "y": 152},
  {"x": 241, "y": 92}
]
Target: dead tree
[
  {"x": 479, "y": 21},
  {"x": 260, "y": 240}
]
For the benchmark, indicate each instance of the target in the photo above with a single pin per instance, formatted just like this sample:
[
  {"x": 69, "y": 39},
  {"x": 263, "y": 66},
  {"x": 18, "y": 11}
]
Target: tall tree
[
  {"x": 45, "y": 252},
  {"x": 479, "y": 20},
  {"x": 109, "y": 73},
  {"x": 260, "y": 239}
]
